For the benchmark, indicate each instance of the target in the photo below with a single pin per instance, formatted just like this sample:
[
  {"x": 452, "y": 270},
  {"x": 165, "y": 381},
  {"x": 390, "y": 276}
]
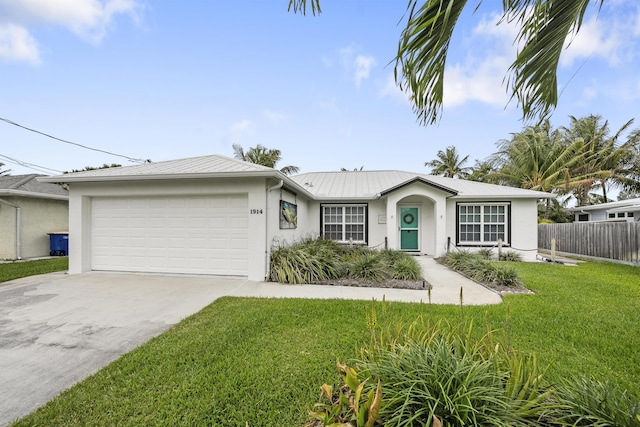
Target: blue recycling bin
[{"x": 58, "y": 244}]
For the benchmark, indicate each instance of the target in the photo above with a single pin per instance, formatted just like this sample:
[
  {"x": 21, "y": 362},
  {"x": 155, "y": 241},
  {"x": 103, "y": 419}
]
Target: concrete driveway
[{"x": 56, "y": 330}]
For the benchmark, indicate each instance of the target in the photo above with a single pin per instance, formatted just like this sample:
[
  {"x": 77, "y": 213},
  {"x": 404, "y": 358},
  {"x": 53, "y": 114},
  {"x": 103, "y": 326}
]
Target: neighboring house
[
  {"x": 621, "y": 211},
  {"x": 29, "y": 209},
  {"x": 220, "y": 216}
]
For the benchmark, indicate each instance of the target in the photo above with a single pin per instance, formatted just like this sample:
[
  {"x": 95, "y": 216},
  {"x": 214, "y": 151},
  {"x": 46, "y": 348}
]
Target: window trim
[
  {"x": 580, "y": 214},
  {"x": 482, "y": 243},
  {"x": 343, "y": 205}
]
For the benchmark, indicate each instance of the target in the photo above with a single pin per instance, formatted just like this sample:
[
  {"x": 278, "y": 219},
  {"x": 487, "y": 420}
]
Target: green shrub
[
  {"x": 474, "y": 266},
  {"x": 314, "y": 260},
  {"x": 451, "y": 373},
  {"x": 349, "y": 405},
  {"x": 587, "y": 402},
  {"x": 406, "y": 268},
  {"x": 309, "y": 261},
  {"x": 368, "y": 267},
  {"x": 512, "y": 256},
  {"x": 485, "y": 253}
]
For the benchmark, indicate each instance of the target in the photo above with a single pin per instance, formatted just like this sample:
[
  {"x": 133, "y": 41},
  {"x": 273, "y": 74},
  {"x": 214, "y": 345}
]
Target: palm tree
[
  {"x": 4, "y": 172},
  {"x": 449, "y": 164},
  {"x": 537, "y": 159},
  {"x": 261, "y": 155},
  {"x": 481, "y": 172},
  {"x": 544, "y": 25},
  {"x": 610, "y": 165}
]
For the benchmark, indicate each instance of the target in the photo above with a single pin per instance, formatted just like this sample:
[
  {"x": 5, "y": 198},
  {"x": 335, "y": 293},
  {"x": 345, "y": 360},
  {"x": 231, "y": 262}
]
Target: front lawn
[
  {"x": 262, "y": 361},
  {"x": 19, "y": 269}
]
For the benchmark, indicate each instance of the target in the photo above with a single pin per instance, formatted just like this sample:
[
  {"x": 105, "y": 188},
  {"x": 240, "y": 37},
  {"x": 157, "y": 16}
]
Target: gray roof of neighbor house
[
  {"x": 29, "y": 186},
  {"x": 316, "y": 185},
  {"x": 607, "y": 206}
]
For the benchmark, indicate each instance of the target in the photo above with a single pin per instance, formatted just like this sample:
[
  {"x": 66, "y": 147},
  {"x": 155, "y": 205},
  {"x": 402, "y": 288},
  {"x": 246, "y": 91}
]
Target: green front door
[{"x": 409, "y": 229}]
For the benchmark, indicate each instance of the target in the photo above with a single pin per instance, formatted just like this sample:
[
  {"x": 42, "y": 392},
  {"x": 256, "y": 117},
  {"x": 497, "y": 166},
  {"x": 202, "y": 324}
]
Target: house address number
[{"x": 255, "y": 211}]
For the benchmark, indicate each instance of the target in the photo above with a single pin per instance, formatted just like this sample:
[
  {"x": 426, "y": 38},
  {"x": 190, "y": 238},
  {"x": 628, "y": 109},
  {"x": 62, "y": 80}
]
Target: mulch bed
[{"x": 391, "y": 283}]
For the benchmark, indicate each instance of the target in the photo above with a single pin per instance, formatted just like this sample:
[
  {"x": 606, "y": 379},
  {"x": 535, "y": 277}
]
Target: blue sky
[{"x": 165, "y": 80}]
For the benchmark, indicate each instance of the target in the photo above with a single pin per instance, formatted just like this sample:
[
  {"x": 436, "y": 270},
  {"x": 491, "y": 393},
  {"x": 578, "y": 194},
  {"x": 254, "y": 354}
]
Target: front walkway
[{"x": 446, "y": 285}]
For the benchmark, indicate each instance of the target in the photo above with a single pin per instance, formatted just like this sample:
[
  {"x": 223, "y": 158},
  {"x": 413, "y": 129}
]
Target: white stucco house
[
  {"x": 620, "y": 211},
  {"x": 29, "y": 209},
  {"x": 220, "y": 216}
]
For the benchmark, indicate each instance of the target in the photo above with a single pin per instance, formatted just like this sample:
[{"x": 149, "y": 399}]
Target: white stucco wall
[
  {"x": 38, "y": 217},
  {"x": 80, "y": 196},
  {"x": 524, "y": 224}
]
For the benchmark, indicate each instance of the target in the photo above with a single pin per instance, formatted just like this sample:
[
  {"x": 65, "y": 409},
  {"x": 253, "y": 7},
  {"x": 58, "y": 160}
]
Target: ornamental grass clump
[
  {"x": 369, "y": 267},
  {"x": 584, "y": 401},
  {"x": 476, "y": 267},
  {"x": 320, "y": 260},
  {"x": 442, "y": 374},
  {"x": 310, "y": 261}
]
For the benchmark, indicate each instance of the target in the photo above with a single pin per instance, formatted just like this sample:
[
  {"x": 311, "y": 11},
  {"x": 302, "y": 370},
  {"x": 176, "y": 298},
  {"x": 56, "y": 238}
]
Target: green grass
[
  {"x": 263, "y": 361},
  {"x": 16, "y": 270}
]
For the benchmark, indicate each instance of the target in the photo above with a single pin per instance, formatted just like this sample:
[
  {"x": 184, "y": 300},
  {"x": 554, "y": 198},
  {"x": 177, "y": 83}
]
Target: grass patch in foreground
[
  {"x": 263, "y": 361},
  {"x": 18, "y": 269}
]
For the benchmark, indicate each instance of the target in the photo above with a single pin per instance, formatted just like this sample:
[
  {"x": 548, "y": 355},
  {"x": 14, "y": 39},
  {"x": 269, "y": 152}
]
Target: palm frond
[{"x": 422, "y": 53}]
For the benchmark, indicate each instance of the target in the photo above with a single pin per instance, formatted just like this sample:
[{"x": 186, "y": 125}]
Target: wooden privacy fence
[{"x": 610, "y": 240}]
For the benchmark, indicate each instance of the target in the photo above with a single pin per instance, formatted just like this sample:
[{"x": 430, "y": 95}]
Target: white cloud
[
  {"x": 480, "y": 75},
  {"x": 358, "y": 65},
  {"x": 391, "y": 90},
  {"x": 592, "y": 40},
  {"x": 363, "y": 66},
  {"x": 275, "y": 117},
  {"x": 16, "y": 45},
  {"x": 239, "y": 129},
  {"x": 88, "y": 19}
]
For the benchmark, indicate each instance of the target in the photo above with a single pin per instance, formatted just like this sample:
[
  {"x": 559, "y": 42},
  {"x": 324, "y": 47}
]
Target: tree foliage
[
  {"x": 4, "y": 172},
  {"x": 449, "y": 164},
  {"x": 606, "y": 161},
  {"x": 264, "y": 156},
  {"x": 543, "y": 28}
]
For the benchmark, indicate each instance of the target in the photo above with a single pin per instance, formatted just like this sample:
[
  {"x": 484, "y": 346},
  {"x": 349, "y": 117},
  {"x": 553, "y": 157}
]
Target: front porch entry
[{"x": 410, "y": 228}]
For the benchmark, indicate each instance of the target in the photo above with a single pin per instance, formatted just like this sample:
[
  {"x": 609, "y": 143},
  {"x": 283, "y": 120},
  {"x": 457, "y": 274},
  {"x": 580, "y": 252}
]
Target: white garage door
[{"x": 194, "y": 235}]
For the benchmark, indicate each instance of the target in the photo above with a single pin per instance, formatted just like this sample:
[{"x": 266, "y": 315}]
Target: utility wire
[
  {"x": 38, "y": 168},
  {"x": 131, "y": 159}
]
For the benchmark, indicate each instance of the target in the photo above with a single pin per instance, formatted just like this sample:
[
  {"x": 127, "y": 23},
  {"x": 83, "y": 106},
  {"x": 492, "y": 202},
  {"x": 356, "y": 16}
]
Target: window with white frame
[
  {"x": 480, "y": 224},
  {"x": 344, "y": 223}
]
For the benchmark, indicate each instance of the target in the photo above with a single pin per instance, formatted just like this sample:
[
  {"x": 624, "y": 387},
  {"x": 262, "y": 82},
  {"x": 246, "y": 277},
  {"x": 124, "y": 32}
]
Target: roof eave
[
  {"x": 503, "y": 196},
  {"x": 154, "y": 177},
  {"x": 159, "y": 177},
  {"x": 31, "y": 194}
]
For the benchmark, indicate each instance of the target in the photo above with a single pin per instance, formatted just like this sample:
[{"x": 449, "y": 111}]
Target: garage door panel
[{"x": 197, "y": 235}]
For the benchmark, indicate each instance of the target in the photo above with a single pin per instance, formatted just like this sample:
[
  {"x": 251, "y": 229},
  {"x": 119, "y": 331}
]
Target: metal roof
[
  {"x": 352, "y": 185},
  {"x": 609, "y": 205},
  {"x": 213, "y": 164},
  {"x": 29, "y": 186},
  {"x": 371, "y": 184}
]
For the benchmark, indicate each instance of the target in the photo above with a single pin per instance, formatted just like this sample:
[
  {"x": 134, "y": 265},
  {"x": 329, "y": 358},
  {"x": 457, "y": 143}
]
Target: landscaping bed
[
  {"x": 422, "y": 285},
  {"x": 320, "y": 261}
]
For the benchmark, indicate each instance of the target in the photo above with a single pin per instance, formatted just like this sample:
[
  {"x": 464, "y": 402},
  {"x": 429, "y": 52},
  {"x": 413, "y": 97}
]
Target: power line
[
  {"x": 35, "y": 167},
  {"x": 131, "y": 159}
]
